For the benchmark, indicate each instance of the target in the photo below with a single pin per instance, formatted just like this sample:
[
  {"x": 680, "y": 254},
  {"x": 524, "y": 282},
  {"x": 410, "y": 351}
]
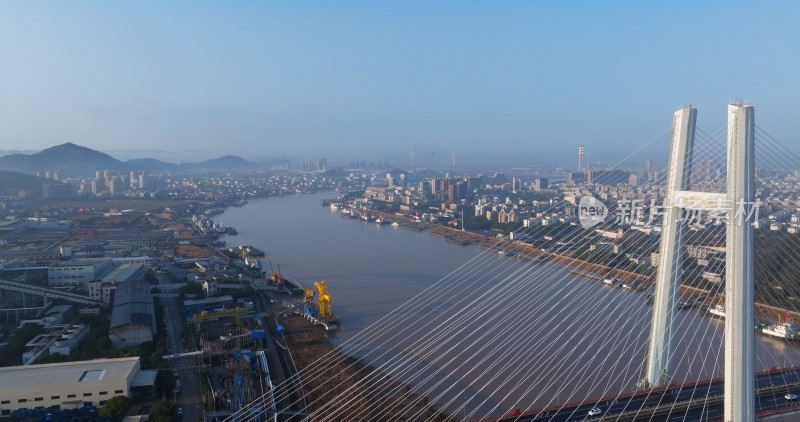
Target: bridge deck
[{"x": 700, "y": 401}]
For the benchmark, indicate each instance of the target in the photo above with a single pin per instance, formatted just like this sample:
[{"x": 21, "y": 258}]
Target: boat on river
[
  {"x": 786, "y": 329},
  {"x": 718, "y": 310}
]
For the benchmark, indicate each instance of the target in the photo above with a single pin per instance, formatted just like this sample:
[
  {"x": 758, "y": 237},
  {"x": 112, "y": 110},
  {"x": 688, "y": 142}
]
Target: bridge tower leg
[
  {"x": 668, "y": 278},
  {"x": 739, "y": 274}
]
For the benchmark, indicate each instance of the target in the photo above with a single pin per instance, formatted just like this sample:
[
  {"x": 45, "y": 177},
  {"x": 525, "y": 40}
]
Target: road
[
  {"x": 190, "y": 398},
  {"x": 690, "y": 403}
]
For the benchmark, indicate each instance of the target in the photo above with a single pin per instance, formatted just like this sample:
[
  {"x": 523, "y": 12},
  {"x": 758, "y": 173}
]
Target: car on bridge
[
  {"x": 790, "y": 396},
  {"x": 595, "y": 411}
]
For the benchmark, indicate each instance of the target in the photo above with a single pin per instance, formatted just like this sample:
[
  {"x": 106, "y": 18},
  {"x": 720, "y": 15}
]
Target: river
[{"x": 553, "y": 336}]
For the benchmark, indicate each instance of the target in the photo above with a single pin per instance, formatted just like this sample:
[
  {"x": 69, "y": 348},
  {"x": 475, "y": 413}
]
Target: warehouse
[
  {"x": 133, "y": 319},
  {"x": 71, "y": 385}
]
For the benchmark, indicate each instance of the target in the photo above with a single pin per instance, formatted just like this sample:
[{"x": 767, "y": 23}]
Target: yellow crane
[
  {"x": 324, "y": 306},
  {"x": 309, "y": 293},
  {"x": 199, "y": 318},
  {"x": 325, "y": 309}
]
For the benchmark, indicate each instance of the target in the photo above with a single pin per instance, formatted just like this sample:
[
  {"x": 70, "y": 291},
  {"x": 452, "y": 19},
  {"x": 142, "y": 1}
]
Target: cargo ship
[{"x": 787, "y": 330}]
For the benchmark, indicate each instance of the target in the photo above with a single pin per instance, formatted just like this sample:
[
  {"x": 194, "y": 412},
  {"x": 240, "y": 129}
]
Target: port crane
[
  {"x": 308, "y": 293},
  {"x": 277, "y": 277},
  {"x": 324, "y": 299},
  {"x": 325, "y": 309}
]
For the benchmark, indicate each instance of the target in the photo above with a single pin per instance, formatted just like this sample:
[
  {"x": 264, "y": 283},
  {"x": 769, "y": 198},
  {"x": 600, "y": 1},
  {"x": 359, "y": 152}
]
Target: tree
[
  {"x": 165, "y": 383},
  {"x": 164, "y": 411},
  {"x": 116, "y": 407},
  {"x": 10, "y": 355}
]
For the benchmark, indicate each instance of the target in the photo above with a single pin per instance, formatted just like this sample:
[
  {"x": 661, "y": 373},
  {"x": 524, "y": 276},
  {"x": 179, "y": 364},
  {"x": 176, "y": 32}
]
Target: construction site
[
  {"x": 243, "y": 348},
  {"x": 231, "y": 341},
  {"x": 325, "y": 391},
  {"x": 251, "y": 349}
]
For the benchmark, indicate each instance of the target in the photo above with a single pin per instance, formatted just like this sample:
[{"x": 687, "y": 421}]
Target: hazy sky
[{"x": 369, "y": 80}]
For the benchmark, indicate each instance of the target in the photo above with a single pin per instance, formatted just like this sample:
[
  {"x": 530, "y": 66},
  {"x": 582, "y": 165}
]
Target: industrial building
[
  {"x": 78, "y": 271},
  {"x": 133, "y": 319},
  {"x": 71, "y": 384},
  {"x": 58, "y": 314},
  {"x": 58, "y": 339},
  {"x": 104, "y": 288},
  {"x": 195, "y": 306}
]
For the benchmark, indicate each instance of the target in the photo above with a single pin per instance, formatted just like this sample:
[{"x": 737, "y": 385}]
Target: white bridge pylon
[{"x": 737, "y": 206}]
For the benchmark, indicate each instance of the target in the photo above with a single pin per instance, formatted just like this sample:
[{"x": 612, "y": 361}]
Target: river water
[{"x": 538, "y": 334}]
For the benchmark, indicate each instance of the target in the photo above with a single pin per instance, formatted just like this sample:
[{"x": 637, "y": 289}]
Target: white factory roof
[{"x": 51, "y": 374}]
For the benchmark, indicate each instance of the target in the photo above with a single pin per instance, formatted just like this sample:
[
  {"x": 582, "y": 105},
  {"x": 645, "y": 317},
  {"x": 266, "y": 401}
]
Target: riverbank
[
  {"x": 528, "y": 252},
  {"x": 349, "y": 387}
]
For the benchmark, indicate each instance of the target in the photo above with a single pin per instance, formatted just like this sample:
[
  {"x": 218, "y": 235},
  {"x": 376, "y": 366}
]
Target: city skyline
[{"x": 490, "y": 83}]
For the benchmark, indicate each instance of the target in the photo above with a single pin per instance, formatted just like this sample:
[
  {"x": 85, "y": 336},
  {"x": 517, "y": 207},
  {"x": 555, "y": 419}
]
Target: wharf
[
  {"x": 415, "y": 225},
  {"x": 368, "y": 392},
  {"x": 458, "y": 238}
]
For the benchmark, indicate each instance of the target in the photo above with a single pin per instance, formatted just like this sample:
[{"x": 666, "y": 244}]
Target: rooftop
[
  {"x": 125, "y": 272},
  {"x": 208, "y": 301},
  {"x": 84, "y": 261},
  {"x": 66, "y": 372},
  {"x": 133, "y": 304}
]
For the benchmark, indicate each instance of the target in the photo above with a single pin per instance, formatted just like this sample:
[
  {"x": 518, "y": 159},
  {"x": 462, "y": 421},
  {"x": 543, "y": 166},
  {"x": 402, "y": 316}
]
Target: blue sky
[{"x": 495, "y": 81}]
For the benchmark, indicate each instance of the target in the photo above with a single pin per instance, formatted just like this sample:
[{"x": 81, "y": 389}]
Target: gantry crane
[{"x": 202, "y": 316}]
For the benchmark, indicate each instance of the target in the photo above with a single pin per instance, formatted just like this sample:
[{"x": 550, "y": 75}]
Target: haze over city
[
  {"x": 347, "y": 80},
  {"x": 518, "y": 211}
]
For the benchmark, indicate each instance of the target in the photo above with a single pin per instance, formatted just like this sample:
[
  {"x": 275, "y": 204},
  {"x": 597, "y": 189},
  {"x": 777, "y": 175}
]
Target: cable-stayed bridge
[{"x": 541, "y": 338}]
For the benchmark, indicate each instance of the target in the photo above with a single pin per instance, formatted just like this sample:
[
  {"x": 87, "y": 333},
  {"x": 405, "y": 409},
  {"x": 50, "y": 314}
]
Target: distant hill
[
  {"x": 151, "y": 164},
  {"x": 427, "y": 174},
  {"x": 184, "y": 155},
  {"x": 68, "y": 159},
  {"x": 77, "y": 161},
  {"x": 226, "y": 162},
  {"x": 16, "y": 151},
  {"x": 11, "y": 182}
]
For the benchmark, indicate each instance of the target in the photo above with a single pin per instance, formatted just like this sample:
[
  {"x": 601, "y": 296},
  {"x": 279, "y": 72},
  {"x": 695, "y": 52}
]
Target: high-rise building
[
  {"x": 115, "y": 185},
  {"x": 456, "y": 191},
  {"x": 581, "y": 152},
  {"x": 97, "y": 186},
  {"x": 574, "y": 178}
]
